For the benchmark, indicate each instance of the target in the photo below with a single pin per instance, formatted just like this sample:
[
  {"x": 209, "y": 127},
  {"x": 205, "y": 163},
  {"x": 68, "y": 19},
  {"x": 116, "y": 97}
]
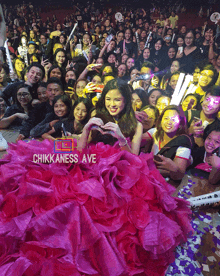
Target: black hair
[
  {"x": 55, "y": 80},
  {"x": 88, "y": 104},
  {"x": 54, "y": 67},
  {"x": 211, "y": 68},
  {"x": 42, "y": 84},
  {"x": 214, "y": 91},
  {"x": 142, "y": 95},
  {"x": 36, "y": 64},
  {"x": 107, "y": 75}
]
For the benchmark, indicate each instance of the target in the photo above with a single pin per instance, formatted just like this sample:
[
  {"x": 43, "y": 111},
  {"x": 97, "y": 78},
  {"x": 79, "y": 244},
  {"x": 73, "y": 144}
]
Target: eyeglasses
[{"x": 24, "y": 94}]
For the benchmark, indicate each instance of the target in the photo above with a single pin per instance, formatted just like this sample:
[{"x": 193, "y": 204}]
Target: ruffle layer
[{"x": 113, "y": 217}]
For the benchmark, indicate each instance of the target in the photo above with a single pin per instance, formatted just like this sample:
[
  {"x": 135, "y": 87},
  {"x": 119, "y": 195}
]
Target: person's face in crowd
[
  {"x": 99, "y": 61},
  {"x": 3, "y": 76},
  {"x": 175, "y": 66},
  {"x": 114, "y": 102},
  {"x": 53, "y": 90},
  {"x": 23, "y": 96},
  {"x": 70, "y": 75},
  {"x": 111, "y": 59},
  {"x": 186, "y": 101},
  {"x": 180, "y": 42},
  {"x": 136, "y": 102},
  {"x": 55, "y": 73},
  {"x": 19, "y": 65},
  {"x": 141, "y": 45},
  {"x": 143, "y": 34},
  {"x": 107, "y": 79},
  {"x": 105, "y": 35},
  {"x": 146, "y": 26},
  {"x": 102, "y": 42},
  {"x": 150, "y": 121},
  {"x": 80, "y": 112},
  {"x": 158, "y": 45},
  {"x": 170, "y": 121},
  {"x": 140, "y": 22},
  {"x": 162, "y": 102},
  {"x": 170, "y": 32},
  {"x": 218, "y": 61},
  {"x": 211, "y": 105},
  {"x": 34, "y": 75},
  {"x": 111, "y": 45},
  {"x": 189, "y": 38},
  {"x": 146, "y": 53},
  {"x": 171, "y": 53},
  {"x": 205, "y": 78},
  {"x": 121, "y": 70},
  {"x": 60, "y": 58},
  {"x": 130, "y": 63},
  {"x": 120, "y": 36},
  {"x": 60, "y": 109},
  {"x": 96, "y": 80},
  {"x": 86, "y": 39},
  {"x": 97, "y": 29},
  {"x": 107, "y": 23},
  {"x": 124, "y": 58},
  {"x": 212, "y": 142},
  {"x": 42, "y": 94},
  {"x": 183, "y": 29},
  {"x": 31, "y": 49},
  {"x": 159, "y": 31},
  {"x": 85, "y": 25},
  {"x": 128, "y": 34},
  {"x": 43, "y": 40},
  {"x": 173, "y": 81},
  {"x": 196, "y": 75},
  {"x": 134, "y": 73},
  {"x": 198, "y": 35},
  {"x": 62, "y": 39},
  {"x": 58, "y": 27},
  {"x": 102, "y": 28},
  {"x": 208, "y": 34},
  {"x": 79, "y": 88},
  {"x": 153, "y": 97},
  {"x": 107, "y": 69},
  {"x": 32, "y": 35}
]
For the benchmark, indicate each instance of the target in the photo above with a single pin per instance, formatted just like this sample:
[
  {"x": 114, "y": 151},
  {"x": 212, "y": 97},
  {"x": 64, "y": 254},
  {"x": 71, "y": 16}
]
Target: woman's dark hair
[
  {"x": 54, "y": 67},
  {"x": 127, "y": 121},
  {"x": 88, "y": 104},
  {"x": 214, "y": 91},
  {"x": 159, "y": 135},
  {"x": 159, "y": 39},
  {"x": 156, "y": 111},
  {"x": 142, "y": 95},
  {"x": 66, "y": 100},
  {"x": 211, "y": 68},
  {"x": 152, "y": 90}
]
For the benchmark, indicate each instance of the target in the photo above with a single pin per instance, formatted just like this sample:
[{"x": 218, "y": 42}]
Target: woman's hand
[
  {"x": 94, "y": 122},
  {"x": 164, "y": 164},
  {"x": 214, "y": 161},
  {"x": 114, "y": 131},
  {"x": 22, "y": 116},
  {"x": 179, "y": 55},
  {"x": 198, "y": 129},
  {"x": 52, "y": 123}
]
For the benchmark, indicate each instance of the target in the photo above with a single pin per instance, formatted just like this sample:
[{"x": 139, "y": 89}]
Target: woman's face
[
  {"x": 212, "y": 142},
  {"x": 189, "y": 38},
  {"x": 32, "y": 34},
  {"x": 121, "y": 70},
  {"x": 58, "y": 27},
  {"x": 62, "y": 39},
  {"x": 211, "y": 105},
  {"x": 130, "y": 63},
  {"x": 173, "y": 81},
  {"x": 153, "y": 97},
  {"x": 180, "y": 42},
  {"x": 42, "y": 94},
  {"x": 3, "y": 76},
  {"x": 171, "y": 53},
  {"x": 56, "y": 73},
  {"x": 187, "y": 100},
  {"x": 143, "y": 34},
  {"x": 19, "y": 65},
  {"x": 205, "y": 78},
  {"x": 107, "y": 70},
  {"x": 146, "y": 54},
  {"x": 158, "y": 45},
  {"x": 170, "y": 121},
  {"x": 60, "y": 58},
  {"x": 111, "y": 59},
  {"x": 23, "y": 96},
  {"x": 70, "y": 75},
  {"x": 60, "y": 109},
  {"x": 86, "y": 39},
  {"x": 136, "y": 102},
  {"x": 111, "y": 45},
  {"x": 134, "y": 73},
  {"x": 175, "y": 66},
  {"x": 80, "y": 112},
  {"x": 96, "y": 79},
  {"x": 150, "y": 121},
  {"x": 124, "y": 58},
  {"x": 114, "y": 102},
  {"x": 79, "y": 88},
  {"x": 162, "y": 102},
  {"x": 127, "y": 34}
]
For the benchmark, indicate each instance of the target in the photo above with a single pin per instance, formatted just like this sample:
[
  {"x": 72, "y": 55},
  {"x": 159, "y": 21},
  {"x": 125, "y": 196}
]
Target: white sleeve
[{"x": 183, "y": 153}]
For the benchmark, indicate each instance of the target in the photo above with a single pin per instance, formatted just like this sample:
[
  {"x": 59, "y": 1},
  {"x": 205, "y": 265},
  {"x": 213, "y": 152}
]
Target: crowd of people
[{"x": 112, "y": 81}]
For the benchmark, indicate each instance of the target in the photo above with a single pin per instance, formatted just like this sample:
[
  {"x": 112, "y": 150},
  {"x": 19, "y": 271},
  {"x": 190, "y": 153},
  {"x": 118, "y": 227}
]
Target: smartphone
[
  {"x": 71, "y": 83},
  {"x": 109, "y": 38},
  {"x": 157, "y": 158},
  {"x": 63, "y": 129},
  {"x": 180, "y": 49}
]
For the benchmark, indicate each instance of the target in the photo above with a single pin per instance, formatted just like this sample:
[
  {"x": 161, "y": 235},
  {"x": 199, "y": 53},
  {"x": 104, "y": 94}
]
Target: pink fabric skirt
[{"x": 115, "y": 216}]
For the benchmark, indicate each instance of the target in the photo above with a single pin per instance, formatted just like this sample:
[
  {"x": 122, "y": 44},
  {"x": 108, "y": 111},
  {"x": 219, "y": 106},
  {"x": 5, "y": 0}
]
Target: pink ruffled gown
[{"x": 113, "y": 217}]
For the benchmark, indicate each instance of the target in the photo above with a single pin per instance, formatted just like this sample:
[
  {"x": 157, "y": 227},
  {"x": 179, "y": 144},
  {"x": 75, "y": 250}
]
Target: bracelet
[{"x": 125, "y": 143}]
